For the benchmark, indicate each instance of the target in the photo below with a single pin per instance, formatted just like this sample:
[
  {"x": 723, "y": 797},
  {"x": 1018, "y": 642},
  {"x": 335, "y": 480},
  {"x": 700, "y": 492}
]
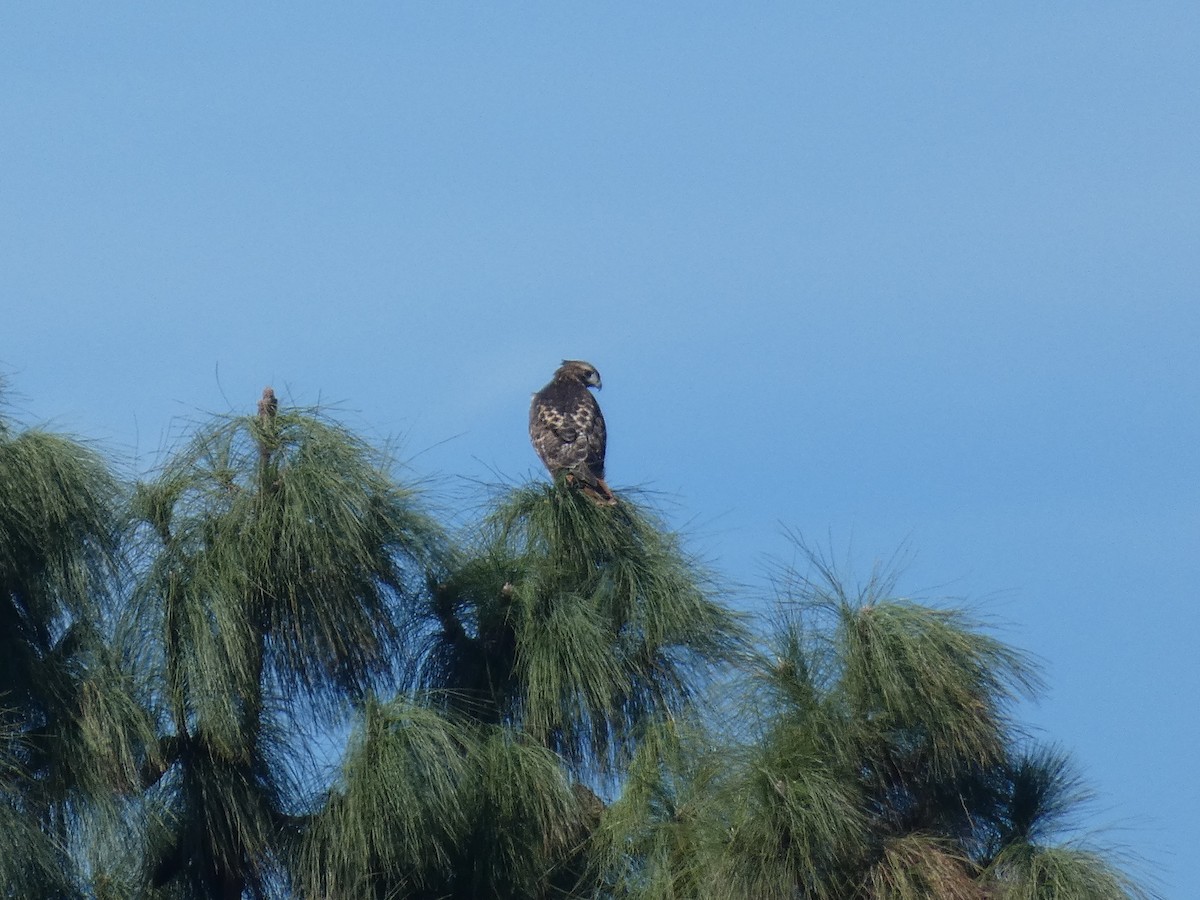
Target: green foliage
[
  {"x": 58, "y": 534},
  {"x": 213, "y": 820},
  {"x": 926, "y": 688},
  {"x": 578, "y": 623},
  {"x": 917, "y": 867},
  {"x": 280, "y": 558},
  {"x": 1029, "y": 872},
  {"x": 663, "y": 835},
  {"x": 159, "y": 684},
  {"x": 58, "y": 542},
  {"x": 32, "y": 862},
  {"x": 870, "y": 755},
  {"x": 71, "y": 730},
  {"x": 396, "y": 814},
  {"x": 432, "y": 806},
  {"x": 1040, "y": 796},
  {"x": 290, "y": 539}
]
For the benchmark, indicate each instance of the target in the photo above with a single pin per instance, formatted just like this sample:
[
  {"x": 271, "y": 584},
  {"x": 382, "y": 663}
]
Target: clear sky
[{"x": 887, "y": 275}]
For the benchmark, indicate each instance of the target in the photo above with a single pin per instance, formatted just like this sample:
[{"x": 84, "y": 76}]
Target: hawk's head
[{"x": 578, "y": 370}]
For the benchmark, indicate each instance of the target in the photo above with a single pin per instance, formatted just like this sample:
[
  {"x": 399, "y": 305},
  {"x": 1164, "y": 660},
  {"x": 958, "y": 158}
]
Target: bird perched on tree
[
  {"x": 268, "y": 405},
  {"x": 267, "y": 436},
  {"x": 567, "y": 428}
]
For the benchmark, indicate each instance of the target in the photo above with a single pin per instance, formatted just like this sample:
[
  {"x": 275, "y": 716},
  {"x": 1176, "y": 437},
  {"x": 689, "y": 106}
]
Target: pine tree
[
  {"x": 280, "y": 556},
  {"x": 70, "y": 727},
  {"x": 873, "y": 755},
  {"x": 557, "y": 701},
  {"x": 561, "y": 634}
]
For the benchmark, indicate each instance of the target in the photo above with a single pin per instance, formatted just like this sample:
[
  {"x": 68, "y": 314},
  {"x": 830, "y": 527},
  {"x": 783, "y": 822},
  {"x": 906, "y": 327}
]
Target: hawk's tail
[
  {"x": 596, "y": 489},
  {"x": 601, "y": 493}
]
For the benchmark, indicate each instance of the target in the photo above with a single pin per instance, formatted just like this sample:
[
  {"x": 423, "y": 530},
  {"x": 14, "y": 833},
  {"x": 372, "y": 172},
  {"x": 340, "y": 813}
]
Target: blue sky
[{"x": 922, "y": 276}]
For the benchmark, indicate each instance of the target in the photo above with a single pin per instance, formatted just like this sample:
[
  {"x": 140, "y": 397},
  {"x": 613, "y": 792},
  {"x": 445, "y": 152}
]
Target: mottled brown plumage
[
  {"x": 567, "y": 428},
  {"x": 268, "y": 405}
]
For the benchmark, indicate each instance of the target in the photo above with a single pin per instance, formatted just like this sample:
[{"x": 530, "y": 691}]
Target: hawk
[
  {"x": 268, "y": 405},
  {"x": 567, "y": 428}
]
